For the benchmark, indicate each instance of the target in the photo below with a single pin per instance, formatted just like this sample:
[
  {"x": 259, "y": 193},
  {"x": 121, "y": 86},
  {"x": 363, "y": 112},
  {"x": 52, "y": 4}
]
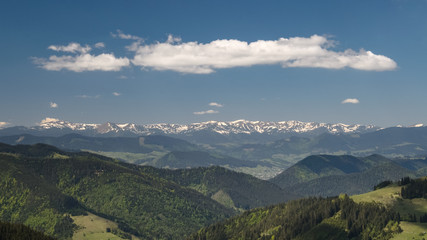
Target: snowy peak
[
  {"x": 249, "y": 127},
  {"x": 116, "y": 128},
  {"x": 48, "y": 123},
  {"x": 418, "y": 125},
  {"x": 224, "y": 128},
  {"x": 108, "y": 127}
]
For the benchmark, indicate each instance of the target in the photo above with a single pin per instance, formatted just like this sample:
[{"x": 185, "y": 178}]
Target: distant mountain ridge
[
  {"x": 56, "y": 127},
  {"x": 330, "y": 175}
]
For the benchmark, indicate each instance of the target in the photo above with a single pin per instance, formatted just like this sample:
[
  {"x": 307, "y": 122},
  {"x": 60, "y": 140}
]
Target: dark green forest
[
  {"x": 14, "y": 231},
  {"x": 310, "y": 218},
  {"x": 243, "y": 190},
  {"x": 328, "y": 175},
  {"x": 413, "y": 188},
  {"x": 42, "y": 186}
]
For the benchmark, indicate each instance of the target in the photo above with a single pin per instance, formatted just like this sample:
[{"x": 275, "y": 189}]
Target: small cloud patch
[
  {"x": 53, "y": 105},
  {"x": 214, "y": 104},
  {"x": 121, "y": 35},
  {"x": 206, "y": 112},
  {"x": 351, "y": 100},
  {"x": 88, "y": 96},
  {"x": 100, "y": 45}
]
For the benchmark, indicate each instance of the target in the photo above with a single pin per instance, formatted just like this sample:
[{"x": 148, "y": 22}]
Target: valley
[{"x": 239, "y": 148}]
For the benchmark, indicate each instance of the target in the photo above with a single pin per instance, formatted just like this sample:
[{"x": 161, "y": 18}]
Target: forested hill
[
  {"x": 43, "y": 186},
  {"x": 317, "y": 166},
  {"x": 311, "y": 218},
  {"x": 231, "y": 188},
  {"x": 14, "y": 231},
  {"x": 329, "y": 175},
  {"x": 154, "y": 150},
  {"x": 143, "y": 144},
  {"x": 354, "y": 183}
]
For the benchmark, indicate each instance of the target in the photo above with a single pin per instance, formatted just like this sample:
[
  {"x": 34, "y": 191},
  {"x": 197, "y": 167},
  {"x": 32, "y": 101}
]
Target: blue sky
[{"x": 171, "y": 61}]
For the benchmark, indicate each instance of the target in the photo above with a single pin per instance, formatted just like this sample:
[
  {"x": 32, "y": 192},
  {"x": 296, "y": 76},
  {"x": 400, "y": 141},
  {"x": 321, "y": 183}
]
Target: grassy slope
[
  {"x": 93, "y": 227},
  {"x": 390, "y": 196},
  {"x": 415, "y": 231}
]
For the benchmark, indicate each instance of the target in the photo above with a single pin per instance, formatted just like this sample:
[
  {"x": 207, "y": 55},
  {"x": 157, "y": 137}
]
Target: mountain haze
[
  {"x": 318, "y": 166},
  {"x": 329, "y": 175}
]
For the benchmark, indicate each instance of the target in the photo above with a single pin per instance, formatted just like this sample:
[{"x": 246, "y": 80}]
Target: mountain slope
[
  {"x": 141, "y": 144},
  {"x": 354, "y": 183},
  {"x": 43, "y": 186},
  {"x": 391, "y": 197},
  {"x": 390, "y": 142},
  {"x": 312, "y": 218},
  {"x": 317, "y": 166},
  {"x": 180, "y": 159},
  {"x": 386, "y": 213},
  {"x": 328, "y": 175},
  {"x": 39, "y": 176},
  {"x": 153, "y": 150},
  {"x": 242, "y": 191},
  {"x": 30, "y": 199},
  {"x": 15, "y": 231}
]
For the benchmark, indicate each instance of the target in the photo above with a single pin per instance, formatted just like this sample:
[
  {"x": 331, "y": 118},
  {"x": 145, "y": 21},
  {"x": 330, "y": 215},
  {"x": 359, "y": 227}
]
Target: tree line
[{"x": 14, "y": 231}]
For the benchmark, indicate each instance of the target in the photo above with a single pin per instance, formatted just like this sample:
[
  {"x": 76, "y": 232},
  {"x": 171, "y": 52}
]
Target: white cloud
[
  {"x": 48, "y": 120},
  {"x": 214, "y": 104},
  {"x": 350, "y": 100},
  {"x": 121, "y": 35},
  {"x": 4, "y": 124},
  {"x": 83, "y": 62},
  {"x": 71, "y": 47},
  {"x": 116, "y": 94},
  {"x": 200, "y": 58},
  {"x": 205, "y": 112},
  {"x": 172, "y": 39},
  {"x": 122, "y": 77},
  {"x": 100, "y": 45},
  {"x": 88, "y": 96},
  {"x": 53, "y": 105}
]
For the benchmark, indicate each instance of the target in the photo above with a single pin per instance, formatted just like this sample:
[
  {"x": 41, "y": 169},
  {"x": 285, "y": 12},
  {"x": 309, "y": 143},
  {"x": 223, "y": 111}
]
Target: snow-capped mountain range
[
  {"x": 239, "y": 131},
  {"x": 223, "y": 128}
]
